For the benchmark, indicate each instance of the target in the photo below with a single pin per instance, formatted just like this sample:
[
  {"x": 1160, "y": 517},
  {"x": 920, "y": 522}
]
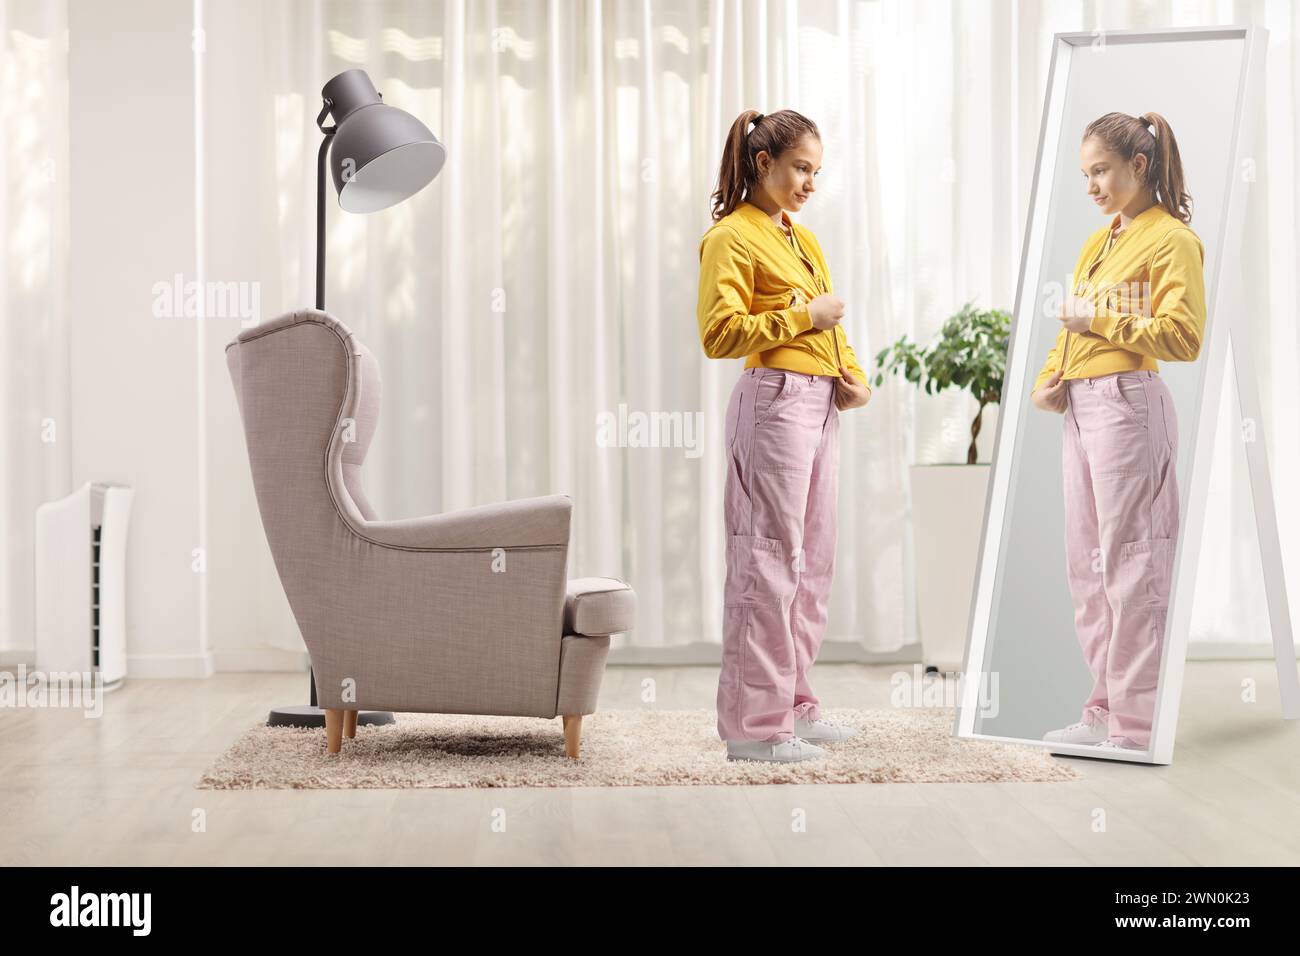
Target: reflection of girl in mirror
[
  {"x": 1138, "y": 295},
  {"x": 765, "y": 296}
]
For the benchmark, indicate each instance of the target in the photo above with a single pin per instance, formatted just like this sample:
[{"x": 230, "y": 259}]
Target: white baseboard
[
  {"x": 260, "y": 659},
  {"x": 848, "y": 652},
  {"x": 271, "y": 659},
  {"x": 832, "y": 652},
  {"x": 1229, "y": 651},
  {"x": 168, "y": 665},
  {"x": 17, "y": 657}
]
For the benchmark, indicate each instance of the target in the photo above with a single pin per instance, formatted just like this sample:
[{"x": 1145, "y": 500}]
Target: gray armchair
[{"x": 468, "y": 612}]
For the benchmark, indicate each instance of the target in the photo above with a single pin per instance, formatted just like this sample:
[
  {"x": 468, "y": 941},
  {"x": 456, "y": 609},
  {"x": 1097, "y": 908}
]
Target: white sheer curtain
[
  {"x": 549, "y": 275},
  {"x": 35, "y": 464},
  {"x": 1230, "y": 616}
]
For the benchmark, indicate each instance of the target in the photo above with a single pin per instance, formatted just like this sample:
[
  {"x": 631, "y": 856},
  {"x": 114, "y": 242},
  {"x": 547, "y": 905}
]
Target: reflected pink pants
[
  {"x": 1121, "y": 525},
  {"x": 779, "y": 506}
]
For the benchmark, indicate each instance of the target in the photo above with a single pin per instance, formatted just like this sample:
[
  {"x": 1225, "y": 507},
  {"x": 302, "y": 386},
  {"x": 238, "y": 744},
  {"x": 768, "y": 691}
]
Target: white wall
[
  {"x": 152, "y": 403},
  {"x": 135, "y": 408},
  {"x": 250, "y": 624}
]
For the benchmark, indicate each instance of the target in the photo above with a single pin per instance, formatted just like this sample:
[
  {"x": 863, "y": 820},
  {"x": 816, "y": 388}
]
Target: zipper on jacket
[
  {"x": 1107, "y": 248},
  {"x": 806, "y": 263}
]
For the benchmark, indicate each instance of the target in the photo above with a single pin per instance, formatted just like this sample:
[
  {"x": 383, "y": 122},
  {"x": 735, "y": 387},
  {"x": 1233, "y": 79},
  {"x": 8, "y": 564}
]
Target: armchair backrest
[
  {"x": 410, "y": 628},
  {"x": 309, "y": 394}
]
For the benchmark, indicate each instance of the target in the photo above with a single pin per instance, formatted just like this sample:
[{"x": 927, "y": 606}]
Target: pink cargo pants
[
  {"x": 779, "y": 506},
  {"x": 1121, "y": 524}
]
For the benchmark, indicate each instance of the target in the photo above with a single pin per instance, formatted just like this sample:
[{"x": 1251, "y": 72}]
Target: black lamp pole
[{"x": 320, "y": 207}]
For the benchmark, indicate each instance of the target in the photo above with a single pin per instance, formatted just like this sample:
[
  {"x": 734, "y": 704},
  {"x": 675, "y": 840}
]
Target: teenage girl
[
  {"x": 765, "y": 296},
  {"x": 1139, "y": 296}
]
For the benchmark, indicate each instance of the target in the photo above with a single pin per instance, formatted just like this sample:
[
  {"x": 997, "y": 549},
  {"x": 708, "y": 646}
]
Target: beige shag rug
[{"x": 620, "y": 748}]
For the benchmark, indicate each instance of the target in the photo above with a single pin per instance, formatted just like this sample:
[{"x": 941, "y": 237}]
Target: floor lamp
[{"x": 378, "y": 156}]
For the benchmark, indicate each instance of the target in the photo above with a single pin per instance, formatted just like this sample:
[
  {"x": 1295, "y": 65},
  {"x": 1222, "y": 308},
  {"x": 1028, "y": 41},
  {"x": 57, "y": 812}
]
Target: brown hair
[
  {"x": 1129, "y": 136},
  {"x": 775, "y": 133}
]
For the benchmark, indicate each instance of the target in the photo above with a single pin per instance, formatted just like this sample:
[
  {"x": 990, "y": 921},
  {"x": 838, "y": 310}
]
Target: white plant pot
[{"x": 947, "y": 517}]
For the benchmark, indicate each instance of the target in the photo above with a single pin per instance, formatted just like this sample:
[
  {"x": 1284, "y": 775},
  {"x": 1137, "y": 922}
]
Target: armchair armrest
[
  {"x": 523, "y": 523},
  {"x": 598, "y": 607}
]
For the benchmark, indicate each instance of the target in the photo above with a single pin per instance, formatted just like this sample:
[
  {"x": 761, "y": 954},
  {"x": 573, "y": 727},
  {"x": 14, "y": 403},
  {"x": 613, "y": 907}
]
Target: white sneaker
[
  {"x": 1112, "y": 745},
  {"x": 786, "y": 751},
  {"x": 1093, "y": 729},
  {"x": 821, "y": 729}
]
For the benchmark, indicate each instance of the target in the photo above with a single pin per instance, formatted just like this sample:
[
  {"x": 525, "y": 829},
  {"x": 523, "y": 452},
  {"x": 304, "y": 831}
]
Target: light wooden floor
[{"x": 119, "y": 790}]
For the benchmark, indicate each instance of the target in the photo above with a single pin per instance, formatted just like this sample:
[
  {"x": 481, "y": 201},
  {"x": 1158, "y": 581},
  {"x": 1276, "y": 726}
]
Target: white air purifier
[{"x": 81, "y": 582}]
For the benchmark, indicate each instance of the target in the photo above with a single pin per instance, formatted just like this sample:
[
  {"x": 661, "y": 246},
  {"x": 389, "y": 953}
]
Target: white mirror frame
[{"x": 1225, "y": 325}]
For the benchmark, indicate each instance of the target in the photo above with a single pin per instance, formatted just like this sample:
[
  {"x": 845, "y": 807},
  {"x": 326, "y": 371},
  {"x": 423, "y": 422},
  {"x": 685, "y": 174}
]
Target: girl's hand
[
  {"x": 1076, "y": 313},
  {"x": 826, "y": 311},
  {"x": 849, "y": 392},
  {"x": 1051, "y": 396}
]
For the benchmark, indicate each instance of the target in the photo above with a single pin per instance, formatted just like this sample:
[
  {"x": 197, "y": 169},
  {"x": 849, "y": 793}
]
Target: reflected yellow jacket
[
  {"x": 1148, "y": 293},
  {"x": 754, "y": 295}
]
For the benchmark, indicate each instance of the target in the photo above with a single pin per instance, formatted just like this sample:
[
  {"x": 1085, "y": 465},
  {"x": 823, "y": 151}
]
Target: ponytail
[
  {"x": 774, "y": 133},
  {"x": 1151, "y": 136}
]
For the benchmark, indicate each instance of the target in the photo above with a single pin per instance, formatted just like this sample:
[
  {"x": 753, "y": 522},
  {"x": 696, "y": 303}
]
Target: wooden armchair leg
[
  {"x": 572, "y": 734},
  {"x": 333, "y": 730},
  {"x": 349, "y": 724}
]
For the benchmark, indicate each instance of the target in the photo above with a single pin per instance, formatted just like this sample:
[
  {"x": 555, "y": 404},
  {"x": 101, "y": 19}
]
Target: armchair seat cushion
[{"x": 599, "y": 606}]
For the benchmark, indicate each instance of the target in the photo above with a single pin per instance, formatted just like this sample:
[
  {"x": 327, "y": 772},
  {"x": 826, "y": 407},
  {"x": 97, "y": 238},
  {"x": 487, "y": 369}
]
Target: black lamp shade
[{"x": 380, "y": 155}]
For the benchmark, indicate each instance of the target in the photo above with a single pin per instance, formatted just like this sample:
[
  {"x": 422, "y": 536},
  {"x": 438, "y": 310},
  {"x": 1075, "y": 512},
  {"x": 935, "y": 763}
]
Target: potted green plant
[{"x": 970, "y": 353}]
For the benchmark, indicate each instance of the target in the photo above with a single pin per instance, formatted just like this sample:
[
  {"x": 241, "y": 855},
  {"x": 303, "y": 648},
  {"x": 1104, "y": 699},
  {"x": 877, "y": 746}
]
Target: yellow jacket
[
  {"x": 754, "y": 295},
  {"x": 1148, "y": 295}
]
